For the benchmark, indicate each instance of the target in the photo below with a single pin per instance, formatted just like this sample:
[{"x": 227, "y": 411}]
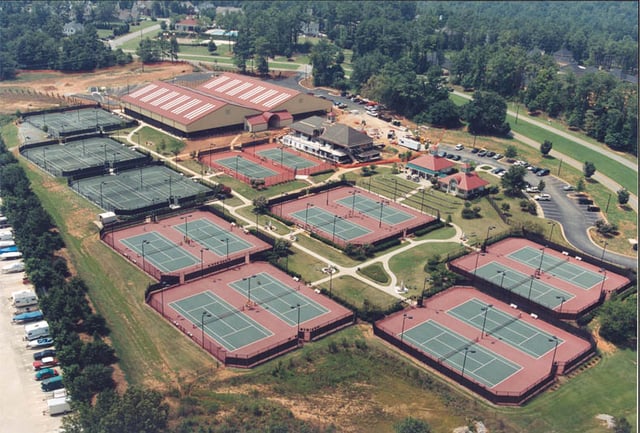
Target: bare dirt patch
[{"x": 603, "y": 345}]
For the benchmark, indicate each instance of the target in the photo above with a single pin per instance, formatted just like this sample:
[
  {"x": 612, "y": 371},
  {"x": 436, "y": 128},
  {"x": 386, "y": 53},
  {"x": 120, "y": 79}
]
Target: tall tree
[
  {"x": 486, "y": 114},
  {"x": 589, "y": 169},
  {"x": 513, "y": 180},
  {"x": 545, "y": 147}
]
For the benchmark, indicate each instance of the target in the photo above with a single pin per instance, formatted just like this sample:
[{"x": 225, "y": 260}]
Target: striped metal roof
[
  {"x": 247, "y": 92},
  {"x": 177, "y": 103}
]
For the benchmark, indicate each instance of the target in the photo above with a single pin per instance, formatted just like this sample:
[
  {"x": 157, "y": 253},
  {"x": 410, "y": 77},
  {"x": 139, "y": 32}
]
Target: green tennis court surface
[
  {"x": 248, "y": 168},
  {"x": 286, "y": 158},
  {"x": 222, "y": 242},
  {"x": 505, "y": 327},
  {"x": 560, "y": 268},
  {"x": 485, "y": 367},
  {"x": 65, "y": 122},
  {"x": 160, "y": 252},
  {"x": 374, "y": 209},
  {"x": 279, "y": 299},
  {"x": 222, "y": 322},
  {"x": 331, "y": 224},
  {"x": 524, "y": 285}
]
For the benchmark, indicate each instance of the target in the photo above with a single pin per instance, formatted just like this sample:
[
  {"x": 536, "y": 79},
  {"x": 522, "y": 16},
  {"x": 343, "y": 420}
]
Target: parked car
[
  {"x": 497, "y": 170},
  {"x": 542, "y": 197},
  {"x": 475, "y": 150},
  {"x": 44, "y": 354},
  {"x": 491, "y": 154},
  {"x": 457, "y": 157},
  {"x": 543, "y": 172},
  {"x": 482, "y": 153},
  {"x": 459, "y": 146},
  {"x": 449, "y": 155},
  {"x": 49, "y": 361},
  {"x": 498, "y": 156},
  {"x": 568, "y": 188},
  {"x": 46, "y": 373},
  {"x": 40, "y": 342},
  {"x": 532, "y": 189}
]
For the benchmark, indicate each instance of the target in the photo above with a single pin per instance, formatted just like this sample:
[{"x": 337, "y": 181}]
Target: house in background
[
  {"x": 72, "y": 28},
  {"x": 465, "y": 184},
  {"x": 188, "y": 25},
  {"x": 333, "y": 142}
]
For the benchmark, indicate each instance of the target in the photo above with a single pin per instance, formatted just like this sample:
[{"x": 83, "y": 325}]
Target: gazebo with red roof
[{"x": 464, "y": 184}]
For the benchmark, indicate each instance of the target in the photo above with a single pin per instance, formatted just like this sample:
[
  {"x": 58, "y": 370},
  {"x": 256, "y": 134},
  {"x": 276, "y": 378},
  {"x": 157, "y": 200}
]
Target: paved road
[
  {"x": 115, "y": 43},
  {"x": 604, "y": 180}
]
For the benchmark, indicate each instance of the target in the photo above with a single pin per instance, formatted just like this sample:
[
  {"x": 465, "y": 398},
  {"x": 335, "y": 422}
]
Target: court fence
[
  {"x": 319, "y": 331},
  {"x": 497, "y": 397}
]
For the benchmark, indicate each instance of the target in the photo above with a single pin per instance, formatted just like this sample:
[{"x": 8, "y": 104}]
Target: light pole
[
  {"x": 248, "y": 279},
  {"x": 604, "y": 277},
  {"x": 333, "y": 235},
  {"x": 205, "y": 313},
  {"x": 170, "y": 192},
  {"x": 327, "y": 200},
  {"x": 530, "y": 286},
  {"x": 186, "y": 225},
  {"x": 553, "y": 226},
  {"x": 298, "y": 321},
  {"x": 464, "y": 361},
  {"x": 475, "y": 269},
  {"x": 502, "y": 277},
  {"x": 101, "y": 185},
  {"x": 422, "y": 199},
  {"x": 202, "y": 250},
  {"x": 486, "y": 238},
  {"x": 604, "y": 250},
  {"x": 306, "y": 215},
  {"x": 484, "y": 320},
  {"x": 380, "y": 220},
  {"x": 331, "y": 282},
  {"x": 227, "y": 241},
  {"x": 405, "y": 316},
  {"x": 541, "y": 259},
  {"x": 562, "y": 299},
  {"x": 554, "y": 339},
  {"x": 144, "y": 242},
  {"x": 353, "y": 202}
]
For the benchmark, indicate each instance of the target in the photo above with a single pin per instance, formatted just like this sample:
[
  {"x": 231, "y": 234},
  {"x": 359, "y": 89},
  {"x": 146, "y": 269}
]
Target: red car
[{"x": 45, "y": 363}]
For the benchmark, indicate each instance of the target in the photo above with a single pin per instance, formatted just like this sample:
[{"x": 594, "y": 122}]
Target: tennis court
[
  {"x": 281, "y": 300},
  {"x": 248, "y": 168},
  {"x": 505, "y": 327},
  {"x": 61, "y": 123},
  {"x": 223, "y": 323},
  {"x": 561, "y": 268},
  {"x": 83, "y": 153},
  {"x": 138, "y": 188},
  {"x": 160, "y": 252},
  {"x": 286, "y": 158},
  {"x": 221, "y": 242},
  {"x": 458, "y": 352},
  {"x": 333, "y": 225},
  {"x": 375, "y": 209},
  {"x": 527, "y": 286}
]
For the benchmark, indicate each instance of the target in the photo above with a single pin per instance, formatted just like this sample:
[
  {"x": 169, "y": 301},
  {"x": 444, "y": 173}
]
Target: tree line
[{"x": 87, "y": 361}]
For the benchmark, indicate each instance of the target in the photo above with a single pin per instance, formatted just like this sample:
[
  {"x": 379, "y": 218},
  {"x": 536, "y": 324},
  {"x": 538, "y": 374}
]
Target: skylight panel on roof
[
  {"x": 240, "y": 88},
  {"x": 216, "y": 82},
  {"x": 186, "y": 106},
  {"x": 227, "y": 86},
  {"x": 195, "y": 113},
  {"x": 175, "y": 102},
  {"x": 251, "y": 93},
  {"x": 144, "y": 90},
  {"x": 258, "y": 99},
  {"x": 165, "y": 98},
  {"x": 278, "y": 99},
  {"x": 153, "y": 95}
]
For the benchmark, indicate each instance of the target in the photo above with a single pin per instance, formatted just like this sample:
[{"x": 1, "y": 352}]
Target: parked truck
[
  {"x": 36, "y": 330},
  {"x": 24, "y": 298},
  {"x": 409, "y": 142},
  {"x": 58, "y": 406}
]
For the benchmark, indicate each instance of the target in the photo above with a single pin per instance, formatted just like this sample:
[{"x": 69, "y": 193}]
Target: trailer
[
  {"x": 24, "y": 298},
  {"x": 11, "y": 256},
  {"x": 13, "y": 268},
  {"x": 30, "y": 316},
  {"x": 58, "y": 406},
  {"x": 36, "y": 330},
  {"x": 409, "y": 142}
]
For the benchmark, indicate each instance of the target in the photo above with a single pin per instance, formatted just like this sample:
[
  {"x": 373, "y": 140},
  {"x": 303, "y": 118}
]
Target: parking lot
[{"x": 22, "y": 401}]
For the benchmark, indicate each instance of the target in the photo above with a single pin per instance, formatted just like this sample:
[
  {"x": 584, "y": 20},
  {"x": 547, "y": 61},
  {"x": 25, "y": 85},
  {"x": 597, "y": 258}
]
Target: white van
[{"x": 36, "y": 330}]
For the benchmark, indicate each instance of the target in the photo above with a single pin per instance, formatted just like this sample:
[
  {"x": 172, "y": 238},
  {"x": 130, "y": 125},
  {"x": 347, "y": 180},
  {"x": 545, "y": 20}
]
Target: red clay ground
[
  {"x": 165, "y": 228},
  {"x": 219, "y": 284},
  {"x": 533, "y": 370},
  {"x": 377, "y": 231},
  {"x": 498, "y": 252}
]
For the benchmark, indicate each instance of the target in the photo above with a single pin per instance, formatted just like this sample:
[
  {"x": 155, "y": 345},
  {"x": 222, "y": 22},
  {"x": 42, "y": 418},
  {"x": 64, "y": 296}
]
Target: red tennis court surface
[
  {"x": 284, "y": 172},
  {"x": 379, "y": 217},
  {"x": 526, "y": 271},
  {"x": 211, "y": 243},
  {"x": 529, "y": 363},
  {"x": 265, "y": 313}
]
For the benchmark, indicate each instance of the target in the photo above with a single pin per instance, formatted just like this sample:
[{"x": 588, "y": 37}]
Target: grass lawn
[
  {"x": 245, "y": 189},
  {"x": 408, "y": 266},
  {"x": 376, "y": 272},
  {"x": 332, "y": 254},
  {"x": 158, "y": 141},
  {"x": 355, "y": 292}
]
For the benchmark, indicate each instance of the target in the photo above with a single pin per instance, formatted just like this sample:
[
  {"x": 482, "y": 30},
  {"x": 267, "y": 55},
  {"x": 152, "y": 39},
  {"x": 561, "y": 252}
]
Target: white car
[
  {"x": 568, "y": 188},
  {"x": 542, "y": 197},
  {"x": 459, "y": 146}
]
